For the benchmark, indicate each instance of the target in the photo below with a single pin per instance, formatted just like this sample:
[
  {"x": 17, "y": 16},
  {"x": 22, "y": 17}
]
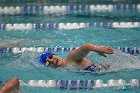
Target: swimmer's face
[{"x": 54, "y": 61}]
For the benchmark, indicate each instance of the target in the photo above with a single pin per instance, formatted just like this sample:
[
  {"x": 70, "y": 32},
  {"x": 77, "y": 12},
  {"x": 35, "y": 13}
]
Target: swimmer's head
[
  {"x": 51, "y": 59},
  {"x": 44, "y": 56}
]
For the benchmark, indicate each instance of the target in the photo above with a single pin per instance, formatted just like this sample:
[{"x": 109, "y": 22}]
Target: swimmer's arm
[
  {"x": 11, "y": 85},
  {"x": 81, "y": 52}
]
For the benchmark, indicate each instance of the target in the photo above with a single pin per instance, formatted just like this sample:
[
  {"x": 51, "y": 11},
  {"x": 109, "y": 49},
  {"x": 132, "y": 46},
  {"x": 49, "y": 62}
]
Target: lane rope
[
  {"x": 66, "y": 26},
  {"x": 65, "y": 9},
  {"x": 81, "y": 84},
  {"x": 127, "y": 50}
]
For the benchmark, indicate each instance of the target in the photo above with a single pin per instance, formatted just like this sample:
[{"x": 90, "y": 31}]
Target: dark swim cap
[{"x": 44, "y": 56}]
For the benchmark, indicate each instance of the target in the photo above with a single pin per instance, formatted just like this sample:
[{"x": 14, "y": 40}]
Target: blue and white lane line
[
  {"x": 66, "y": 26},
  {"x": 65, "y": 9},
  {"x": 127, "y": 50},
  {"x": 81, "y": 84}
]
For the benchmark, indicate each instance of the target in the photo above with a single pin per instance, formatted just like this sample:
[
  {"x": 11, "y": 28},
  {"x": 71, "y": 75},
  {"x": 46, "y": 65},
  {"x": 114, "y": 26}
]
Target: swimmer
[
  {"x": 11, "y": 86},
  {"x": 78, "y": 58}
]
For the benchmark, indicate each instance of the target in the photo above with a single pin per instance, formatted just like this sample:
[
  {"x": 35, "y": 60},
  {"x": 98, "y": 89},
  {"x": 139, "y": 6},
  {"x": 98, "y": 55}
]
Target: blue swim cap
[{"x": 44, "y": 56}]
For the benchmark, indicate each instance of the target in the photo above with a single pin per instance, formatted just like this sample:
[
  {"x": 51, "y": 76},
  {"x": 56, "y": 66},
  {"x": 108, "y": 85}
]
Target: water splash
[{"x": 119, "y": 61}]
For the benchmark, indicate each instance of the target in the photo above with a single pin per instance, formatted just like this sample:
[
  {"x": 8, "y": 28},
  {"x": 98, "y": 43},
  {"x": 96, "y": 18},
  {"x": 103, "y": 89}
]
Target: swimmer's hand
[{"x": 102, "y": 50}]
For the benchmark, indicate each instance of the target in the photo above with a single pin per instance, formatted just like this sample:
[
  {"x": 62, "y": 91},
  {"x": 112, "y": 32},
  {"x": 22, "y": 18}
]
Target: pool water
[{"x": 26, "y": 67}]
